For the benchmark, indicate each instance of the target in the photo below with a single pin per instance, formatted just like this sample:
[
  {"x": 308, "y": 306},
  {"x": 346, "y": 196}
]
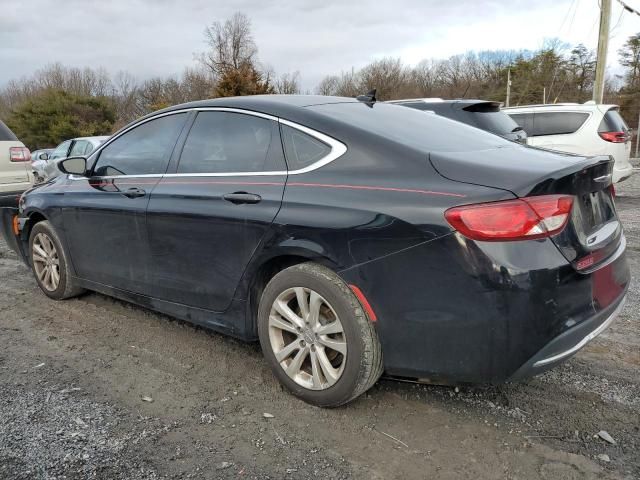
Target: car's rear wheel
[
  {"x": 316, "y": 336},
  {"x": 50, "y": 264}
]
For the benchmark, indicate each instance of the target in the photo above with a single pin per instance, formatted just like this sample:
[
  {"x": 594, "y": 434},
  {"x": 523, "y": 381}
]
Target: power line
[
  {"x": 567, "y": 16},
  {"x": 615, "y": 27},
  {"x": 628, "y": 8}
]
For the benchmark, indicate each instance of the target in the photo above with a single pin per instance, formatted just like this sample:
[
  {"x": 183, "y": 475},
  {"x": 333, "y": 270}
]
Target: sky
[{"x": 316, "y": 38}]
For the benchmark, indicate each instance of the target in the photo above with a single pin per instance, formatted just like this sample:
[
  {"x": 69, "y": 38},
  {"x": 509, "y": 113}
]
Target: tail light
[
  {"x": 19, "y": 154},
  {"x": 614, "y": 137},
  {"x": 522, "y": 219}
]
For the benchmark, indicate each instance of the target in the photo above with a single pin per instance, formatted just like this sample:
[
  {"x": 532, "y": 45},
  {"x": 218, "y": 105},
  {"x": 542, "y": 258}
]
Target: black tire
[
  {"x": 66, "y": 287},
  {"x": 363, "y": 364}
]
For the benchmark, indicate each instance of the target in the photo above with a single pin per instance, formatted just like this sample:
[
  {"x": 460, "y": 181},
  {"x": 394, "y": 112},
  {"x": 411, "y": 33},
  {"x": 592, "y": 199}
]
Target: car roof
[
  {"x": 290, "y": 107},
  {"x": 265, "y": 102},
  {"x": 99, "y": 138},
  {"x": 464, "y": 101},
  {"x": 588, "y": 107}
]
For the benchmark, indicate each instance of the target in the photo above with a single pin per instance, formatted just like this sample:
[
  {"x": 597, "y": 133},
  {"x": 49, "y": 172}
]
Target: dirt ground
[{"x": 97, "y": 388}]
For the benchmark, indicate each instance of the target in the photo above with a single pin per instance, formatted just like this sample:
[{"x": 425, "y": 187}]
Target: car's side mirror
[
  {"x": 73, "y": 166},
  {"x": 43, "y": 156}
]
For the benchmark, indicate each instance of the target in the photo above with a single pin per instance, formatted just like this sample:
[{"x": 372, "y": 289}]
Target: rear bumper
[
  {"x": 11, "y": 199},
  {"x": 569, "y": 343},
  {"x": 14, "y": 241},
  {"x": 621, "y": 171},
  {"x": 458, "y": 311}
]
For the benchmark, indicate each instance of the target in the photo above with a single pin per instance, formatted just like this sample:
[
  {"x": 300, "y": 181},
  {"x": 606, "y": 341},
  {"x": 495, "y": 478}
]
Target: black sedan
[{"x": 350, "y": 238}]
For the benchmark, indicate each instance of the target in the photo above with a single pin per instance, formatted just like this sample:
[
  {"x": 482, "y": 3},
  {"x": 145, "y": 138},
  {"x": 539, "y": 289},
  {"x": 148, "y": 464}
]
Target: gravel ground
[{"x": 97, "y": 388}]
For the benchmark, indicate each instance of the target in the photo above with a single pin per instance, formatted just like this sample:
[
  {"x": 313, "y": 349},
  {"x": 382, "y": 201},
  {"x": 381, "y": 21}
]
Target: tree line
[{"x": 59, "y": 102}]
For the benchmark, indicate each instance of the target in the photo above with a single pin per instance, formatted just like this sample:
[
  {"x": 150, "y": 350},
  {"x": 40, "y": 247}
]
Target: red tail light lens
[
  {"x": 19, "y": 154},
  {"x": 522, "y": 219},
  {"x": 614, "y": 137}
]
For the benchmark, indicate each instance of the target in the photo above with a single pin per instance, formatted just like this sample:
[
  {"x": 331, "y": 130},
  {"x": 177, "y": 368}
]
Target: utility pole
[
  {"x": 637, "y": 135},
  {"x": 506, "y": 104},
  {"x": 544, "y": 95},
  {"x": 603, "y": 45}
]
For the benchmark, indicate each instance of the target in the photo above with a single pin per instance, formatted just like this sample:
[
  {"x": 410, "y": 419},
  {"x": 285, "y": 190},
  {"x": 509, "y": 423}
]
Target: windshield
[
  {"x": 412, "y": 127},
  {"x": 6, "y": 134},
  {"x": 495, "y": 122},
  {"x": 612, "y": 122}
]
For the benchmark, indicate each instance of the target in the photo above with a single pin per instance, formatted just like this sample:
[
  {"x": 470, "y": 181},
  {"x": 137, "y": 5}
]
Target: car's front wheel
[
  {"x": 50, "y": 264},
  {"x": 316, "y": 336}
]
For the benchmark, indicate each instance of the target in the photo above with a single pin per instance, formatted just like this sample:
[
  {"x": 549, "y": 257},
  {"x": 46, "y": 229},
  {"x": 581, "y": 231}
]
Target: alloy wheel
[
  {"x": 46, "y": 262},
  {"x": 307, "y": 338}
]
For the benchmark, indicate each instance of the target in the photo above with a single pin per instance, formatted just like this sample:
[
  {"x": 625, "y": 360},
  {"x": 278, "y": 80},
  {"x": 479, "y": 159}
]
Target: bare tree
[
  {"x": 328, "y": 85},
  {"x": 288, "y": 83},
  {"x": 387, "y": 75},
  {"x": 198, "y": 84},
  {"x": 231, "y": 44}
]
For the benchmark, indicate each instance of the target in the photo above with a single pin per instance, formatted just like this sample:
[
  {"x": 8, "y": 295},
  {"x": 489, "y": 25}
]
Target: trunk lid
[{"x": 593, "y": 233}]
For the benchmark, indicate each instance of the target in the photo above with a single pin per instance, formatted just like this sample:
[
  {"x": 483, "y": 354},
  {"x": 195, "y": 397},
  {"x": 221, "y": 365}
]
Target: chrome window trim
[{"x": 337, "y": 148}]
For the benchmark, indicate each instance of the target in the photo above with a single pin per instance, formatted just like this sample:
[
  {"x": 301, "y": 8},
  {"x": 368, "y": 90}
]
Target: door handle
[
  {"x": 134, "y": 192},
  {"x": 238, "y": 198}
]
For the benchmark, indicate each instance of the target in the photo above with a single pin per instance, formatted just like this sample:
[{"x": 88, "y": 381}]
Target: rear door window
[
  {"x": 6, "y": 135},
  {"x": 145, "y": 150},
  {"x": 227, "y": 142},
  {"x": 302, "y": 149},
  {"x": 557, "y": 123}
]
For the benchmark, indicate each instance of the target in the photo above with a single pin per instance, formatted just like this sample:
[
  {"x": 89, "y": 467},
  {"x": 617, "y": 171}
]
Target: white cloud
[{"x": 160, "y": 37}]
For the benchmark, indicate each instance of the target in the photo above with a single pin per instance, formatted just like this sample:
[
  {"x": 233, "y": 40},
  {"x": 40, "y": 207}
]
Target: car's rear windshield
[
  {"x": 496, "y": 122},
  {"x": 6, "y": 134},
  {"x": 612, "y": 122},
  {"x": 412, "y": 127}
]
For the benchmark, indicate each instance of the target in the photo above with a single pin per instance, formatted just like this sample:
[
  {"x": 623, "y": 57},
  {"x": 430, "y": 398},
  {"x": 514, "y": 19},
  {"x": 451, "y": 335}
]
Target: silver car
[{"x": 44, "y": 168}]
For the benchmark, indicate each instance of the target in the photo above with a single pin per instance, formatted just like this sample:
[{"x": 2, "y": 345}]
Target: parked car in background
[
  {"x": 41, "y": 154},
  {"x": 15, "y": 171},
  {"x": 477, "y": 113},
  {"x": 585, "y": 129},
  {"x": 38, "y": 159},
  {"x": 347, "y": 237},
  {"x": 46, "y": 169}
]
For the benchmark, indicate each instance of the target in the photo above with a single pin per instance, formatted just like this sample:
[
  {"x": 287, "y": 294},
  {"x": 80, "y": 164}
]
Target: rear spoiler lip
[
  {"x": 587, "y": 163},
  {"x": 15, "y": 242},
  {"x": 538, "y": 183},
  {"x": 469, "y": 107}
]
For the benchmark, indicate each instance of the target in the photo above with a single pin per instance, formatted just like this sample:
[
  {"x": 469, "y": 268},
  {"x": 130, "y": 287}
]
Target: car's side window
[
  {"x": 302, "y": 149},
  {"x": 61, "y": 150},
  {"x": 144, "y": 150},
  {"x": 228, "y": 142},
  {"x": 78, "y": 148},
  {"x": 558, "y": 123}
]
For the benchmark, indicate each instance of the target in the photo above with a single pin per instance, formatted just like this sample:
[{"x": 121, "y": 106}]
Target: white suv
[
  {"x": 586, "y": 129},
  {"x": 15, "y": 167}
]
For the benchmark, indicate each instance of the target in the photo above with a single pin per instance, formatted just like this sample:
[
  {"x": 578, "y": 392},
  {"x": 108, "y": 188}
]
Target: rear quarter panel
[{"x": 376, "y": 199}]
